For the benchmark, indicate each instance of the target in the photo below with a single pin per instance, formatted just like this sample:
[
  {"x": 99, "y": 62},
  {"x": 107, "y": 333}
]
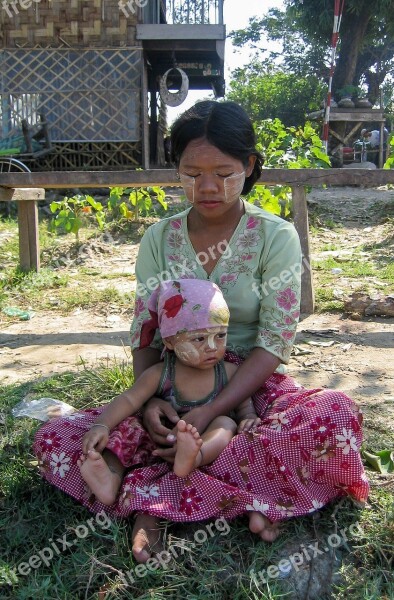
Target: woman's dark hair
[{"x": 226, "y": 126}]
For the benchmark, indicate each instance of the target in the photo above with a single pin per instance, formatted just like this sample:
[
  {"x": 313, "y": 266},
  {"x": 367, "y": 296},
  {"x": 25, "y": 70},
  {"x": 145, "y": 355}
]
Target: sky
[{"x": 236, "y": 16}]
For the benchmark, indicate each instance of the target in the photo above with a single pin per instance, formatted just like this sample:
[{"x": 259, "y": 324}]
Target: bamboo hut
[{"x": 94, "y": 69}]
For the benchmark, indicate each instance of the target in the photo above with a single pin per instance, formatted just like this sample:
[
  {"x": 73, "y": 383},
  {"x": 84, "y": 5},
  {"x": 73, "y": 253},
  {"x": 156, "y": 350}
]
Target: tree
[
  {"x": 298, "y": 54},
  {"x": 268, "y": 92},
  {"x": 366, "y": 48}
]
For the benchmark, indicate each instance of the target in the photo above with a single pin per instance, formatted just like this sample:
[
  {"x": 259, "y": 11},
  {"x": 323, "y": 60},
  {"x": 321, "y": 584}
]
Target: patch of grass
[
  {"x": 352, "y": 268},
  {"x": 374, "y": 274},
  {"x": 388, "y": 273},
  {"x": 110, "y": 276},
  {"x": 26, "y": 289},
  {"x": 369, "y": 574},
  {"x": 330, "y": 247},
  {"x": 326, "y": 300},
  {"x": 71, "y": 299}
]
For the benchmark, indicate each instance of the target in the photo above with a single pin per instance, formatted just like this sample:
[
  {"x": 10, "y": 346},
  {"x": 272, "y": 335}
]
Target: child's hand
[
  {"x": 248, "y": 424},
  {"x": 95, "y": 439}
]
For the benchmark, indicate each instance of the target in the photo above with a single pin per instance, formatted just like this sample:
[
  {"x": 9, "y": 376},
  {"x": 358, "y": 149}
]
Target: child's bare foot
[
  {"x": 259, "y": 524},
  {"x": 188, "y": 446},
  {"x": 146, "y": 537},
  {"x": 103, "y": 482}
]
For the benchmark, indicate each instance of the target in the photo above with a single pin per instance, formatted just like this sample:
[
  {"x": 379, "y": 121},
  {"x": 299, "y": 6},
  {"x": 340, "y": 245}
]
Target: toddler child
[{"x": 192, "y": 318}]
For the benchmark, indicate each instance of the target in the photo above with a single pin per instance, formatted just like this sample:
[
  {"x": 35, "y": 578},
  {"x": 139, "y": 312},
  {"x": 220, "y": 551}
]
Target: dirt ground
[{"x": 355, "y": 356}]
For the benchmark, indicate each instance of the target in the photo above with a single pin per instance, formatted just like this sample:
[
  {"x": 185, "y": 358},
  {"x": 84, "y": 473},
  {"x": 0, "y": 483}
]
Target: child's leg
[
  {"x": 193, "y": 450},
  {"x": 103, "y": 473}
]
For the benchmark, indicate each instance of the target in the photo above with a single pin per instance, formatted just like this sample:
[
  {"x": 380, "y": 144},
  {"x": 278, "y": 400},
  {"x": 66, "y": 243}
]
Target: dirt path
[{"x": 331, "y": 350}]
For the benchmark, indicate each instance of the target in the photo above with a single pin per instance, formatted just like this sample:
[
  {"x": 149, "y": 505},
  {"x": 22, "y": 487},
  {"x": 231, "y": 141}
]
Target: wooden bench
[{"x": 27, "y": 188}]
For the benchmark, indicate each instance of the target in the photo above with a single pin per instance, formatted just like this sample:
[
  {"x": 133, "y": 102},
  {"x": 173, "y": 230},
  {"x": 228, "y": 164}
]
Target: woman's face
[{"x": 212, "y": 180}]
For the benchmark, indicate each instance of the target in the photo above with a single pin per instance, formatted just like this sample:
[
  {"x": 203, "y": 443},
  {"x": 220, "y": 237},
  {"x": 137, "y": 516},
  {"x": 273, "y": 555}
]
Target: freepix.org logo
[
  {"x": 13, "y": 7},
  {"x": 131, "y": 6}
]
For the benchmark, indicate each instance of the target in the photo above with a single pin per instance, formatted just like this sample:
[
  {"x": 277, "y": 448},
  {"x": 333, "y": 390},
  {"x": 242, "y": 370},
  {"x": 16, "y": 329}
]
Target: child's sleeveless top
[{"x": 168, "y": 391}]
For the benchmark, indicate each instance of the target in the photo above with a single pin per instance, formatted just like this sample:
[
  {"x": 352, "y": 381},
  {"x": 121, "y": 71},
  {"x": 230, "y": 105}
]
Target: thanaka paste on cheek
[
  {"x": 187, "y": 353},
  {"x": 188, "y": 184},
  {"x": 233, "y": 186}
]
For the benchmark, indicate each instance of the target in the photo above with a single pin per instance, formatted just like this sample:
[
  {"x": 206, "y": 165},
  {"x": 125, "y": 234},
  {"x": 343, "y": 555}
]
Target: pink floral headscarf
[{"x": 183, "y": 305}]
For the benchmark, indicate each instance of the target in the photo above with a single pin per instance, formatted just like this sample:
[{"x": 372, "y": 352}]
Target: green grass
[
  {"x": 224, "y": 566},
  {"x": 56, "y": 287},
  {"x": 370, "y": 274},
  {"x": 326, "y": 301},
  {"x": 51, "y": 290}
]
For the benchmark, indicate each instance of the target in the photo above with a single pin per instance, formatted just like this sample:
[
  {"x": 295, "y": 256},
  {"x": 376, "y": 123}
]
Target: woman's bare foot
[
  {"x": 146, "y": 537},
  {"x": 103, "y": 482},
  {"x": 259, "y": 524},
  {"x": 188, "y": 448}
]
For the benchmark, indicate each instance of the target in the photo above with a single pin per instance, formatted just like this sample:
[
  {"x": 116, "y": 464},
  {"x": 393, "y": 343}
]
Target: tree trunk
[{"x": 345, "y": 72}]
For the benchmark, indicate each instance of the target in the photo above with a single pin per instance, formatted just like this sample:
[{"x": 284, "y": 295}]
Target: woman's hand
[
  {"x": 156, "y": 413},
  {"x": 95, "y": 439}
]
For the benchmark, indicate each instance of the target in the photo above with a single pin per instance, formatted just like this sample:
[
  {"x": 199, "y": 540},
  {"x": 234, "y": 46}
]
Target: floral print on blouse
[{"x": 259, "y": 273}]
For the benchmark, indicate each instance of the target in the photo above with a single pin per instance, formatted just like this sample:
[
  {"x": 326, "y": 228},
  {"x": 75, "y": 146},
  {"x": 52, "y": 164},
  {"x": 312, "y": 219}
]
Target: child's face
[{"x": 201, "y": 349}]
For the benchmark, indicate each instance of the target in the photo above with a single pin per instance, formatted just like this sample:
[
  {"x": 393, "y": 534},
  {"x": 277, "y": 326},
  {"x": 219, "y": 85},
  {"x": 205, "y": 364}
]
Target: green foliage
[
  {"x": 304, "y": 29},
  {"x": 73, "y": 213},
  {"x": 366, "y": 50},
  {"x": 286, "y": 148},
  {"x": 131, "y": 203},
  {"x": 124, "y": 203},
  {"x": 389, "y": 164},
  {"x": 270, "y": 92},
  {"x": 296, "y": 53}
]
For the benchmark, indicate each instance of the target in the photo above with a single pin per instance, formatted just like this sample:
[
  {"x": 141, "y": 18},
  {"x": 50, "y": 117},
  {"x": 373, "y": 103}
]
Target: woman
[{"x": 305, "y": 452}]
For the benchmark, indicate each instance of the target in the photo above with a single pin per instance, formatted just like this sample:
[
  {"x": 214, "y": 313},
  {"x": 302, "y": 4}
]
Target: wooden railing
[{"x": 28, "y": 188}]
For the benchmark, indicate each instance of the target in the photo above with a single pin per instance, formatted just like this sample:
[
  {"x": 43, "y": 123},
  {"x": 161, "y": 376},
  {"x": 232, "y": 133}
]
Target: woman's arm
[{"x": 143, "y": 359}]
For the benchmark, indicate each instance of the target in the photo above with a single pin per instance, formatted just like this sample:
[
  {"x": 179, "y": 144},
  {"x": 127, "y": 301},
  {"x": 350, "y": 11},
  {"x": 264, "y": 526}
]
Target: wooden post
[
  {"x": 300, "y": 212},
  {"x": 29, "y": 246}
]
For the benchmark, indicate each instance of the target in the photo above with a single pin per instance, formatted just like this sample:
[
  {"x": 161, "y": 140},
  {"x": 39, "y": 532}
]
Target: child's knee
[{"x": 226, "y": 423}]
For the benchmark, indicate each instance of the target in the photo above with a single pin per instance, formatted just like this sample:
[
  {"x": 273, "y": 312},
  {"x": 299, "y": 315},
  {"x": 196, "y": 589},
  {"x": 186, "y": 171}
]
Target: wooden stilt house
[{"x": 94, "y": 69}]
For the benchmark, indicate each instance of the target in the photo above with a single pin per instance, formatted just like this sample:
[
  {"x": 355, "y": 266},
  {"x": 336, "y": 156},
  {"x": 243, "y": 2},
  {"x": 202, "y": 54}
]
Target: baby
[{"x": 192, "y": 317}]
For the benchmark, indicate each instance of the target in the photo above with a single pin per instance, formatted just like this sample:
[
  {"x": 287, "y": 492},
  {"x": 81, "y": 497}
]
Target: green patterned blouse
[{"x": 259, "y": 273}]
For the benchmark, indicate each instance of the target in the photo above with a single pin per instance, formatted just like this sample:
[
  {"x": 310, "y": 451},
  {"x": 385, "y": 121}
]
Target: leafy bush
[
  {"x": 286, "y": 148},
  {"x": 73, "y": 213},
  {"x": 131, "y": 203}
]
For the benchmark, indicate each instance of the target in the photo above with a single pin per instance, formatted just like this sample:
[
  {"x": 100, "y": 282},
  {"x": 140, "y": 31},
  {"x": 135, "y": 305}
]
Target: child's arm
[
  {"x": 246, "y": 416},
  {"x": 124, "y": 405}
]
